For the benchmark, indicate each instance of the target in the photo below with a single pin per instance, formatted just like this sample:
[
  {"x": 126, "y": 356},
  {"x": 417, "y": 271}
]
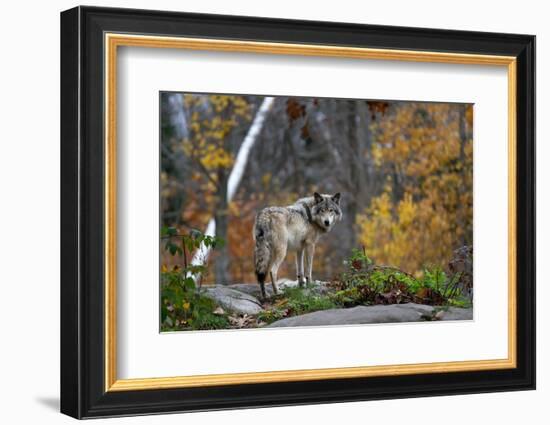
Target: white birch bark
[{"x": 176, "y": 115}]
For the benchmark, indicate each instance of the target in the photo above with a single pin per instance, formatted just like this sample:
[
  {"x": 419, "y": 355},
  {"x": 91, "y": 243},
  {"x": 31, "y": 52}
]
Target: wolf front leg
[
  {"x": 309, "y": 250},
  {"x": 300, "y": 266}
]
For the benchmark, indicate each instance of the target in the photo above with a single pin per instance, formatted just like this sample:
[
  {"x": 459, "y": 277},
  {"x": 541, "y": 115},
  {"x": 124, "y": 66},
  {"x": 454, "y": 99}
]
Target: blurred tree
[
  {"x": 216, "y": 125},
  {"x": 424, "y": 210}
]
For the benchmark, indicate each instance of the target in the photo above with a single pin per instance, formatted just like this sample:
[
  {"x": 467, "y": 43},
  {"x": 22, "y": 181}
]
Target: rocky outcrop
[
  {"x": 254, "y": 288},
  {"x": 462, "y": 265},
  {"x": 454, "y": 313},
  {"x": 233, "y": 300},
  {"x": 244, "y": 299},
  {"x": 394, "y": 313}
]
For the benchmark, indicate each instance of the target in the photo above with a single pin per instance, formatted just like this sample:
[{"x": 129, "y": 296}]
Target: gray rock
[
  {"x": 317, "y": 287},
  {"x": 456, "y": 313},
  {"x": 287, "y": 283},
  {"x": 254, "y": 288},
  {"x": 422, "y": 309},
  {"x": 359, "y": 315},
  {"x": 251, "y": 289},
  {"x": 394, "y": 313},
  {"x": 233, "y": 300},
  {"x": 461, "y": 265}
]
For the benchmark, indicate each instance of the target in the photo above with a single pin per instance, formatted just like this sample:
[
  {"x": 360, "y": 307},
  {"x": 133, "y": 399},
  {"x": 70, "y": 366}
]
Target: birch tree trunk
[
  {"x": 217, "y": 226},
  {"x": 221, "y": 265},
  {"x": 176, "y": 116}
]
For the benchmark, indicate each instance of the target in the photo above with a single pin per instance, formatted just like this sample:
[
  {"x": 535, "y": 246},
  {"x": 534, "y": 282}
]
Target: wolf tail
[{"x": 262, "y": 251}]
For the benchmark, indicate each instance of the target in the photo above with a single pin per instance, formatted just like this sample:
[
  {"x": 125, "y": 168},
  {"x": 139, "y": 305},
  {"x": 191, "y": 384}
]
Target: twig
[
  {"x": 382, "y": 267},
  {"x": 184, "y": 254}
]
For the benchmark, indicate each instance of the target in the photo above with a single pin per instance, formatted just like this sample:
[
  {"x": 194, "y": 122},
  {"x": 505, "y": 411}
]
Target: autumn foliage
[
  {"x": 424, "y": 209},
  {"x": 405, "y": 171}
]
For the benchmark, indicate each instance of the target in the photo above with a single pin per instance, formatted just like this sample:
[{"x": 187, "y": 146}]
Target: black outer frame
[{"x": 82, "y": 219}]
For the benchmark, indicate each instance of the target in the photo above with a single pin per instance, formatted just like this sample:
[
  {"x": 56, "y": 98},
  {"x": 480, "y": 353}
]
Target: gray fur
[{"x": 296, "y": 227}]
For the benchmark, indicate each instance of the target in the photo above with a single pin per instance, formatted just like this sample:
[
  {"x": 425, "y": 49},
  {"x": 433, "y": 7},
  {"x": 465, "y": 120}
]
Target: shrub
[
  {"x": 305, "y": 300},
  {"x": 182, "y": 304},
  {"x": 364, "y": 283},
  {"x": 272, "y": 315},
  {"x": 296, "y": 301}
]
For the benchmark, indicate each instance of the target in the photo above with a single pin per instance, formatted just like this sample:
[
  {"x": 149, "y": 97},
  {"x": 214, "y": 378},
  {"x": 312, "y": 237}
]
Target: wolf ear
[
  {"x": 336, "y": 198},
  {"x": 318, "y": 198}
]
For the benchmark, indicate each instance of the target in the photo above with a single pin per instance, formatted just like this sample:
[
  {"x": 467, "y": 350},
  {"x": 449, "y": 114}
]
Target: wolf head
[{"x": 326, "y": 210}]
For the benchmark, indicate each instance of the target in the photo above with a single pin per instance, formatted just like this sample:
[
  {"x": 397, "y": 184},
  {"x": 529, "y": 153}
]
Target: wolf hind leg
[
  {"x": 261, "y": 281},
  {"x": 273, "y": 274},
  {"x": 277, "y": 261},
  {"x": 300, "y": 267},
  {"x": 273, "y": 280}
]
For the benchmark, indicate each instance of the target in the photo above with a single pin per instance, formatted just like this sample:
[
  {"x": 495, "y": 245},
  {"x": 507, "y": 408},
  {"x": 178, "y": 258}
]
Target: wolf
[{"x": 296, "y": 227}]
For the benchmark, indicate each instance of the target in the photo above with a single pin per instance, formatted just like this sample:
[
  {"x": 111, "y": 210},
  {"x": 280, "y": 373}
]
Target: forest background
[{"x": 405, "y": 171}]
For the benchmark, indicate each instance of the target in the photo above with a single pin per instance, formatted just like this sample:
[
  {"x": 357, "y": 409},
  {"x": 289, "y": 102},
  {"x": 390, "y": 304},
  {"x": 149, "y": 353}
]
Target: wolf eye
[{"x": 331, "y": 210}]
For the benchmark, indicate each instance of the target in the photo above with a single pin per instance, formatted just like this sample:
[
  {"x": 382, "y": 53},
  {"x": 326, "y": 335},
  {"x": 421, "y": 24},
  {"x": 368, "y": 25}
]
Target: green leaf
[
  {"x": 173, "y": 249},
  {"x": 189, "y": 284},
  {"x": 163, "y": 312},
  {"x": 189, "y": 243},
  {"x": 195, "y": 234}
]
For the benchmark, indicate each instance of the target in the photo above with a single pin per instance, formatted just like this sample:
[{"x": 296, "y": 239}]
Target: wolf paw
[{"x": 301, "y": 281}]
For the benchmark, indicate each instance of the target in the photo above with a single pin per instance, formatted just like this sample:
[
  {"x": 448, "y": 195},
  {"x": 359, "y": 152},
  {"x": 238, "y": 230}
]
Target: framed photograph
[{"x": 261, "y": 212}]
